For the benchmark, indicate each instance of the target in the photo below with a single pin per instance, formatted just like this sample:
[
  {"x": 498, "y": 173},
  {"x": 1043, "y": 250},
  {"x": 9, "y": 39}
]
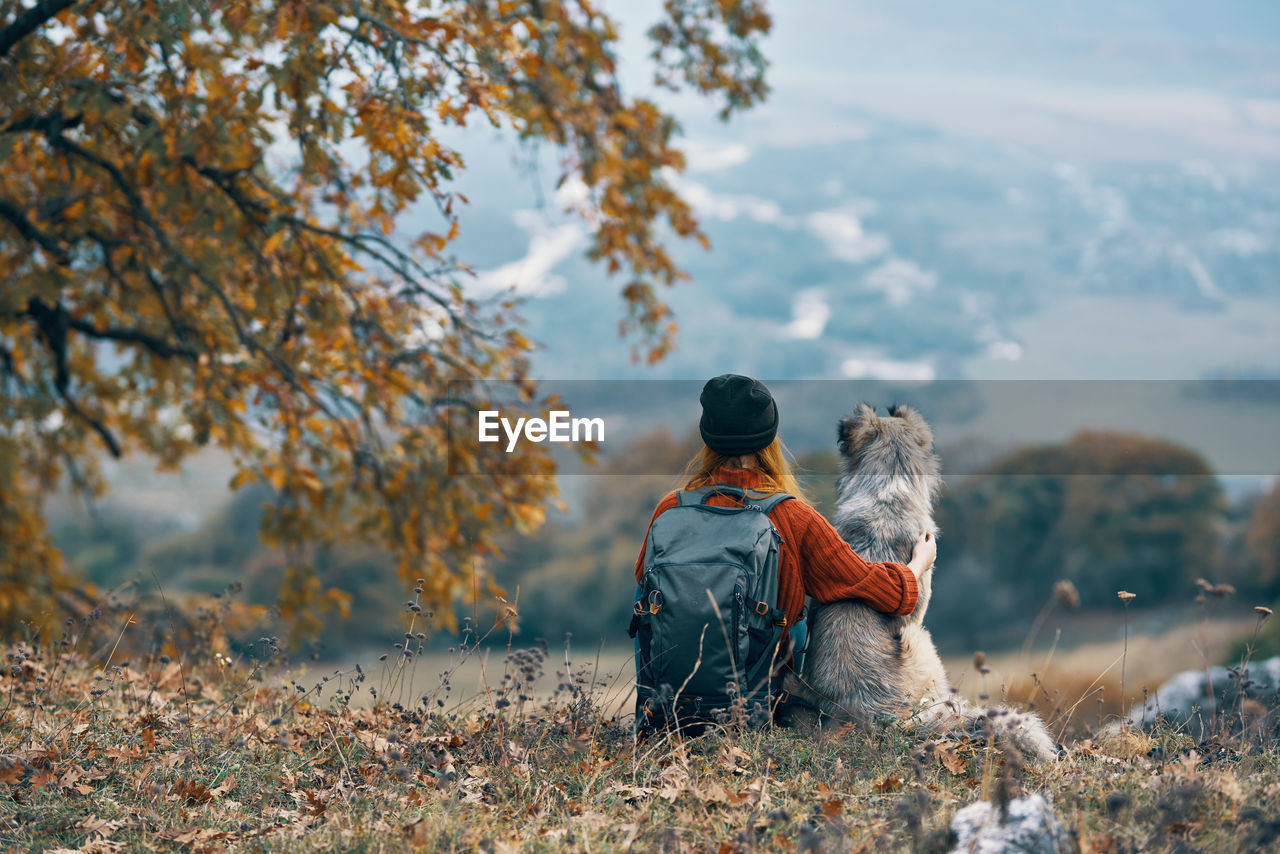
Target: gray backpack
[{"x": 706, "y": 618}]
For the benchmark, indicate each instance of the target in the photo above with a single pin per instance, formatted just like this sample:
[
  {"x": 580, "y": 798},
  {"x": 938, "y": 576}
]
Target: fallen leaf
[
  {"x": 674, "y": 780},
  {"x": 224, "y": 787},
  {"x": 888, "y": 784},
  {"x": 630, "y": 793},
  {"x": 43, "y": 779},
  {"x": 191, "y": 791},
  {"x": 714, "y": 793},
  {"x": 377, "y": 743},
  {"x": 102, "y": 845},
  {"x": 70, "y": 777},
  {"x": 736, "y": 759},
  {"x": 92, "y": 824},
  {"x": 756, "y": 793},
  {"x": 171, "y": 678},
  {"x": 172, "y": 760},
  {"x": 315, "y": 805},
  {"x": 949, "y": 757}
]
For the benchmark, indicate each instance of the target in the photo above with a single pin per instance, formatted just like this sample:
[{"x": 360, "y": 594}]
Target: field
[
  {"x": 189, "y": 748},
  {"x": 1086, "y": 657}
]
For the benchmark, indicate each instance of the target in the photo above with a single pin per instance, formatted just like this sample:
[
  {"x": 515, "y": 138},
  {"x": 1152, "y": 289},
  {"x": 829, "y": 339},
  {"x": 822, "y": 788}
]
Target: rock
[
  {"x": 1028, "y": 825},
  {"x": 1250, "y": 696}
]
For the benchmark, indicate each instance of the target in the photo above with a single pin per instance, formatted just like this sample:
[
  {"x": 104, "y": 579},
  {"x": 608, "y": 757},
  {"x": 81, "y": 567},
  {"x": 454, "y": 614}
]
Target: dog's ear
[
  {"x": 919, "y": 427},
  {"x": 856, "y": 428}
]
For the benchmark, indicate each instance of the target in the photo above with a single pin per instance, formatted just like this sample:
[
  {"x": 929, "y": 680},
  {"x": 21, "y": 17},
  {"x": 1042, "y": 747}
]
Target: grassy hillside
[{"x": 106, "y": 751}]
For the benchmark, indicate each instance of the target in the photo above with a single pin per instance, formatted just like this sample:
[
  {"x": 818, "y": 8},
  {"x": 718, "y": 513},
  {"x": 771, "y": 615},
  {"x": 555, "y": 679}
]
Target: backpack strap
[
  {"x": 700, "y": 495},
  {"x": 771, "y": 500},
  {"x": 766, "y": 501},
  {"x": 756, "y": 676},
  {"x": 794, "y": 700}
]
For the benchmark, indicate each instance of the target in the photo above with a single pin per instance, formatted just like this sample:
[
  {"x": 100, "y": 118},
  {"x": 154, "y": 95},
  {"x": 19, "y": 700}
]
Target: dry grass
[
  {"x": 105, "y": 751},
  {"x": 1077, "y": 688}
]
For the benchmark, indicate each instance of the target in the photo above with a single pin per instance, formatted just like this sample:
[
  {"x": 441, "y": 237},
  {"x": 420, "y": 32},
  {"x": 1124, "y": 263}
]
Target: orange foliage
[{"x": 199, "y": 244}]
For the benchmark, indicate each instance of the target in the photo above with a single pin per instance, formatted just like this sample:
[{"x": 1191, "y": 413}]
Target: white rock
[
  {"x": 1029, "y": 825},
  {"x": 1186, "y": 698}
]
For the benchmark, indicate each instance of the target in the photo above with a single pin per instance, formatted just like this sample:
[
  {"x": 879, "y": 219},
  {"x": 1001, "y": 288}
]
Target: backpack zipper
[{"x": 738, "y": 607}]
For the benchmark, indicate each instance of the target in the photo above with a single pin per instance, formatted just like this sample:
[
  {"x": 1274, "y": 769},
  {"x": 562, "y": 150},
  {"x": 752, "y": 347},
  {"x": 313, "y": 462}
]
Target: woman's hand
[{"x": 923, "y": 553}]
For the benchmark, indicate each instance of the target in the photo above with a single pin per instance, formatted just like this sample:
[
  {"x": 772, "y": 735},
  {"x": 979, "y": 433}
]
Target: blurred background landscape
[{"x": 1076, "y": 193}]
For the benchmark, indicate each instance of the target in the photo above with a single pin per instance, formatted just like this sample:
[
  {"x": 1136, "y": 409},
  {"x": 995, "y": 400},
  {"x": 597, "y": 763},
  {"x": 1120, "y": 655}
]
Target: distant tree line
[{"x": 1104, "y": 511}]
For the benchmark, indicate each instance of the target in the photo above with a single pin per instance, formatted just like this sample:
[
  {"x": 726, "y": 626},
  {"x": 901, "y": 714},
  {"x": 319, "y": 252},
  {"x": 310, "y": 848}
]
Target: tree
[
  {"x": 1263, "y": 537},
  {"x": 198, "y": 232},
  {"x": 1102, "y": 510}
]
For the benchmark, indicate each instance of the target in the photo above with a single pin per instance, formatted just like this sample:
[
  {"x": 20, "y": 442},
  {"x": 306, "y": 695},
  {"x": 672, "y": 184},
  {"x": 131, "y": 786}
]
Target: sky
[
  {"x": 1088, "y": 105},
  {"x": 1149, "y": 79}
]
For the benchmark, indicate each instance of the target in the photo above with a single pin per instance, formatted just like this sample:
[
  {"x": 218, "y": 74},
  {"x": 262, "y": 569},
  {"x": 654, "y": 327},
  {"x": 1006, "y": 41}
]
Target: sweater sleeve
[
  {"x": 665, "y": 504},
  {"x": 833, "y": 570}
]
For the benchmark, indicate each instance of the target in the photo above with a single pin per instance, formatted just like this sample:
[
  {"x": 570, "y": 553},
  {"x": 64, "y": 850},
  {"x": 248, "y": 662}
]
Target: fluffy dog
[{"x": 862, "y": 664}]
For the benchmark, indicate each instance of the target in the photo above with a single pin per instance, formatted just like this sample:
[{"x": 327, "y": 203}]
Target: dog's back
[
  {"x": 860, "y": 661},
  {"x": 862, "y": 664}
]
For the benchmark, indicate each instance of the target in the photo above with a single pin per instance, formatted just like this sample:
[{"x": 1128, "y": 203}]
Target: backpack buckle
[
  {"x": 655, "y": 601},
  {"x": 762, "y": 608}
]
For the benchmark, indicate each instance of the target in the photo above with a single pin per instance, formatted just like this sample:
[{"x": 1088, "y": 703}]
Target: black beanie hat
[{"x": 738, "y": 415}]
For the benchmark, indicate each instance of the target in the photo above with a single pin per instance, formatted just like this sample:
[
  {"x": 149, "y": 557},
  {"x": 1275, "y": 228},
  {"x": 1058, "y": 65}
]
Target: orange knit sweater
[{"x": 814, "y": 560}]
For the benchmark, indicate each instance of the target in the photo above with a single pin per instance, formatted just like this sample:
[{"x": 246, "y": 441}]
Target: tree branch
[
  {"x": 29, "y": 21},
  {"x": 48, "y": 123},
  {"x": 113, "y": 446},
  {"x": 153, "y": 343},
  {"x": 53, "y": 323},
  {"x": 28, "y": 230}
]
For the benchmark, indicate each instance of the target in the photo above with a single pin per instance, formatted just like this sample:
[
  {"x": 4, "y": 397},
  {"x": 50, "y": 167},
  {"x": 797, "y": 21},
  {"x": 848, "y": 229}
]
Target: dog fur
[{"x": 861, "y": 664}]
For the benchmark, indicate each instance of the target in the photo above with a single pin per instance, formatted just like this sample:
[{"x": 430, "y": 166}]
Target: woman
[{"x": 739, "y": 428}]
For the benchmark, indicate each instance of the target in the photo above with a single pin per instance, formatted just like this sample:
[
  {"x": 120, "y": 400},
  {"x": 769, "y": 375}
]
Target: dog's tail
[{"x": 1023, "y": 731}]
